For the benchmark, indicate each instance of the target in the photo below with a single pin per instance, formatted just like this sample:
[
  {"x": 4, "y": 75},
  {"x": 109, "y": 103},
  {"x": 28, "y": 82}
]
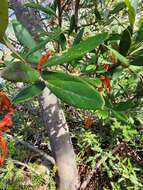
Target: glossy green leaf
[
  {"x": 48, "y": 10},
  {"x": 73, "y": 90},
  {"x": 28, "y": 93},
  {"x": 78, "y": 50},
  {"x": 3, "y": 18},
  {"x": 25, "y": 38},
  {"x": 20, "y": 72},
  {"x": 132, "y": 8},
  {"x": 120, "y": 57},
  {"x": 125, "y": 41}
]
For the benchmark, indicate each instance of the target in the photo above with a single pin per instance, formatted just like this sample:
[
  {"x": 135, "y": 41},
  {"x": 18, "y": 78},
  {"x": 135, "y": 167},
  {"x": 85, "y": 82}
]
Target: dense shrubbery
[{"x": 99, "y": 50}]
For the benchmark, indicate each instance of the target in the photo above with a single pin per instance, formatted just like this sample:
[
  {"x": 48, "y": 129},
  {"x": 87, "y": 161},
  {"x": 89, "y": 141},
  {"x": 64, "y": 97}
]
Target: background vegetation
[{"x": 97, "y": 58}]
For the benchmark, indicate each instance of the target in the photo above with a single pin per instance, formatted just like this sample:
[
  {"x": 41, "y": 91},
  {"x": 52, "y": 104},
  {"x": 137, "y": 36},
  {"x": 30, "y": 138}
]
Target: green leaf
[
  {"x": 72, "y": 24},
  {"x": 120, "y": 57},
  {"x": 114, "y": 37},
  {"x": 117, "y": 8},
  {"x": 73, "y": 90},
  {"x": 139, "y": 37},
  {"x": 132, "y": 8},
  {"x": 78, "y": 37},
  {"x": 62, "y": 40},
  {"x": 23, "y": 36},
  {"x": 125, "y": 41},
  {"x": 78, "y": 50},
  {"x": 97, "y": 14},
  {"x": 137, "y": 58},
  {"x": 92, "y": 81},
  {"x": 28, "y": 93},
  {"x": 124, "y": 106},
  {"x": 120, "y": 116},
  {"x": 20, "y": 72},
  {"x": 48, "y": 10},
  {"x": 3, "y": 18},
  {"x": 51, "y": 36}
]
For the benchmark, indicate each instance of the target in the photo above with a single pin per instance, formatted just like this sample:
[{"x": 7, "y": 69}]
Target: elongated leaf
[
  {"x": 78, "y": 50},
  {"x": 120, "y": 116},
  {"x": 28, "y": 93},
  {"x": 132, "y": 8},
  {"x": 93, "y": 81},
  {"x": 97, "y": 14},
  {"x": 124, "y": 106},
  {"x": 117, "y": 8},
  {"x": 78, "y": 37},
  {"x": 120, "y": 57},
  {"x": 62, "y": 40},
  {"x": 74, "y": 90},
  {"x": 125, "y": 41},
  {"x": 23, "y": 36},
  {"x": 48, "y": 10},
  {"x": 20, "y": 72},
  {"x": 3, "y": 18},
  {"x": 137, "y": 60},
  {"x": 51, "y": 36},
  {"x": 139, "y": 36},
  {"x": 72, "y": 24}
]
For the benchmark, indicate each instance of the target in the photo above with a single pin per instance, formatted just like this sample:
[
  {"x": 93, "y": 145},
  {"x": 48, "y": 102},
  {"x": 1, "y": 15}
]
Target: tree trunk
[{"x": 53, "y": 115}]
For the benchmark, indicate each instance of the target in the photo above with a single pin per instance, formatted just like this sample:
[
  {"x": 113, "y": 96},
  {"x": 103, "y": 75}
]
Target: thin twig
[
  {"x": 48, "y": 158},
  {"x": 16, "y": 162}
]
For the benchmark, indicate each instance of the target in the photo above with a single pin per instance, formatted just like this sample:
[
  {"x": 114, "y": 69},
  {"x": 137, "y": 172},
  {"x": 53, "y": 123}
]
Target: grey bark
[{"x": 52, "y": 114}]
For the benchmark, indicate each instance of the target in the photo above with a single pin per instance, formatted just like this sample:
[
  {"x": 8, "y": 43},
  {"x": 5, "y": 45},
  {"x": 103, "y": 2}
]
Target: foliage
[{"x": 94, "y": 62}]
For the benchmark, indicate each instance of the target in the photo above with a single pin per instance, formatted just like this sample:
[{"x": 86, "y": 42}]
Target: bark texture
[{"x": 52, "y": 114}]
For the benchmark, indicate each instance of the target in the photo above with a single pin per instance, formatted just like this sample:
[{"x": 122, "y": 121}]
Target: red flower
[
  {"x": 4, "y": 150},
  {"x": 5, "y": 105}
]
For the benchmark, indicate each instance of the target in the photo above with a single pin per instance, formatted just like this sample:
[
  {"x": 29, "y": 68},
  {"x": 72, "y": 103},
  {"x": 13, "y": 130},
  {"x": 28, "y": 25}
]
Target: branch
[
  {"x": 48, "y": 158},
  {"x": 16, "y": 162}
]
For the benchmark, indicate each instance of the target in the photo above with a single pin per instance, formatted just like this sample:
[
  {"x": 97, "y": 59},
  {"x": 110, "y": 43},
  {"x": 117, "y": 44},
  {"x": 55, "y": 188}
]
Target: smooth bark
[{"x": 52, "y": 114}]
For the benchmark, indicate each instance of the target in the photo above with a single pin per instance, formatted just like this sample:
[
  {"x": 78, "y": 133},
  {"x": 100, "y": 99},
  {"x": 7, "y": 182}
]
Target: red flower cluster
[{"x": 5, "y": 123}]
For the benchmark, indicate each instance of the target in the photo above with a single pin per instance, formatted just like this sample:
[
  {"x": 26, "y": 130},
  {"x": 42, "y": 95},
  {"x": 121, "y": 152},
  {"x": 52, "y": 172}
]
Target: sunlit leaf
[
  {"x": 78, "y": 50},
  {"x": 28, "y": 93},
  {"x": 73, "y": 90}
]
